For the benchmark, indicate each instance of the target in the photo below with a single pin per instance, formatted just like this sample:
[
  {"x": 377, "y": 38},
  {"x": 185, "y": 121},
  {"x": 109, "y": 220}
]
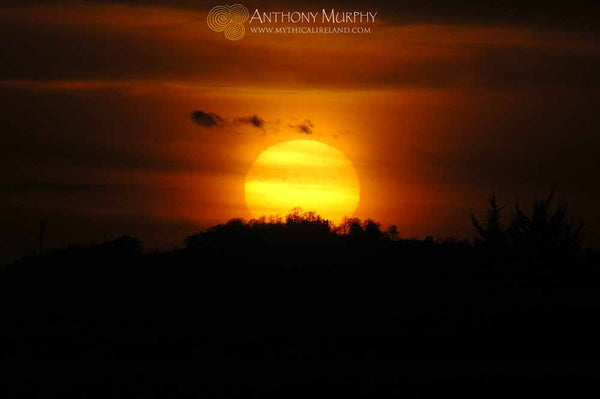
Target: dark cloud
[
  {"x": 207, "y": 119},
  {"x": 252, "y": 120},
  {"x": 305, "y": 127}
]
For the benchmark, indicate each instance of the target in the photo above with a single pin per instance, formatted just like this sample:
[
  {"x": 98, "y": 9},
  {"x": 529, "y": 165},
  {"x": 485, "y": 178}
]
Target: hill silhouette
[{"x": 301, "y": 288}]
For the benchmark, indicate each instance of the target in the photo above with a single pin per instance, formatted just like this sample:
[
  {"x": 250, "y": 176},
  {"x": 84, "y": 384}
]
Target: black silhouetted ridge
[{"x": 303, "y": 288}]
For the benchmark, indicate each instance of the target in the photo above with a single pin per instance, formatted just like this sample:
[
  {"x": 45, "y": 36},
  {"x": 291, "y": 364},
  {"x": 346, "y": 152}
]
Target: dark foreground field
[{"x": 292, "y": 310}]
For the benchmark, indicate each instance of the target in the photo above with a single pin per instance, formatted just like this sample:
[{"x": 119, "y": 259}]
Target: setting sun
[{"x": 302, "y": 173}]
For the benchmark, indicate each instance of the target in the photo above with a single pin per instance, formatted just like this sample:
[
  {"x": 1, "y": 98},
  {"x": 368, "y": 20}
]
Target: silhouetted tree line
[
  {"x": 297, "y": 225},
  {"x": 543, "y": 235},
  {"x": 546, "y": 232},
  {"x": 301, "y": 287}
]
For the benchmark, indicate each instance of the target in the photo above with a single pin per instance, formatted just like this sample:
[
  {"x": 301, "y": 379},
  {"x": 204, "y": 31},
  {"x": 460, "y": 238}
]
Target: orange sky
[{"x": 436, "y": 114}]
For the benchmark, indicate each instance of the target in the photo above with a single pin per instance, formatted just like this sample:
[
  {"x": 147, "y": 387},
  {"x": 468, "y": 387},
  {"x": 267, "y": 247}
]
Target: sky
[{"x": 133, "y": 117}]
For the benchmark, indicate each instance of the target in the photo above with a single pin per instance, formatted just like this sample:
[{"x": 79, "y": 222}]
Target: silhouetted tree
[
  {"x": 355, "y": 229},
  {"x": 294, "y": 215},
  {"x": 372, "y": 230},
  {"x": 392, "y": 232},
  {"x": 490, "y": 234},
  {"x": 547, "y": 231}
]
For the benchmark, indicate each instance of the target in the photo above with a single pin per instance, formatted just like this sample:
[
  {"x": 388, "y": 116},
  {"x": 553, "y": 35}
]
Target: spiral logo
[{"x": 228, "y": 19}]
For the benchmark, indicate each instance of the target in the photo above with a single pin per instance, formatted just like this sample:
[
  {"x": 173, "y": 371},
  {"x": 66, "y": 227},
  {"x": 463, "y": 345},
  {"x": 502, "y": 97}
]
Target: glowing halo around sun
[{"x": 302, "y": 173}]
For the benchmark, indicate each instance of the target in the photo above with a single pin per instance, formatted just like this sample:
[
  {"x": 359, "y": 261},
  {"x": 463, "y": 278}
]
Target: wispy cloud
[
  {"x": 252, "y": 120},
  {"x": 305, "y": 127},
  {"x": 207, "y": 120},
  {"x": 210, "y": 120}
]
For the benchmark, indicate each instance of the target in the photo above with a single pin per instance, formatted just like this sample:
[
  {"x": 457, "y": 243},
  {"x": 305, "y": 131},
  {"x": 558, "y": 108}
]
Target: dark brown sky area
[{"x": 443, "y": 104}]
